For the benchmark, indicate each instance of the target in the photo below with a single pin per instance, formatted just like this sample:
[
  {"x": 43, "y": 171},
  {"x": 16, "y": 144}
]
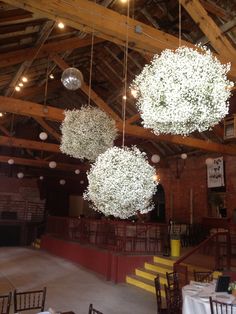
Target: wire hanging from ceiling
[{"x": 125, "y": 70}]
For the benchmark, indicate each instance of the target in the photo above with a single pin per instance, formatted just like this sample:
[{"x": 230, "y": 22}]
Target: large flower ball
[
  {"x": 120, "y": 183},
  {"x": 183, "y": 91},
  {"x": 87, "y": 133}
]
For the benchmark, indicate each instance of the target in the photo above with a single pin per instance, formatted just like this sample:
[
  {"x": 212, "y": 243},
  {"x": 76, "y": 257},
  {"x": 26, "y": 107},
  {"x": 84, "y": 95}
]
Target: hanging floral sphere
[
  {"x": 52, "y": 164},
  {"x": 87, "y": 133},
  {"x": 43, "y": 136},
  {"x": 155, "y": 159},
  {"x": 120, "y": 183},
  {"x": 183, "y": 91}
]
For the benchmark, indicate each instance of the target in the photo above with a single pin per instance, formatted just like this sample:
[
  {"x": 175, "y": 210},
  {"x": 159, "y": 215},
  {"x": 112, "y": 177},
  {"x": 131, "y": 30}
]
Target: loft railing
[
  {"x": 121, "y": 236},
  {"x": 217, "y": 249}
]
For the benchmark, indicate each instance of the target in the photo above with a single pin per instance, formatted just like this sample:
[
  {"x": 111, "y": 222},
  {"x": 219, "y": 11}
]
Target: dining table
[{"x": 196, "y": 297}]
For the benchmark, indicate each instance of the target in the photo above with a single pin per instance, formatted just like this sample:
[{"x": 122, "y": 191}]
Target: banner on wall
[{"x": 215, "y": 173}]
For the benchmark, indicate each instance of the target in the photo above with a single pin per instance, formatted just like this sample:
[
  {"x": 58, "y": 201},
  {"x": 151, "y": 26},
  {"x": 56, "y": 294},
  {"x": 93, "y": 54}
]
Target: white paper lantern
[
  {"x": 155, "y": 159},
  {"x": 209, "y": 161},
  {"x": 41, "y": 178},
  {"x": 20, "y": 175},
  {"x": 72, "y": 78},
  {"x": 52, "y": 164},
  {"x": 62, "y": 181},
  {"x": 184, "y": 156},
  {"x": 77, "y": 171},
  {"x": 81, "y": 182},
  {"x": 43, "y": 136},
  {"x": 10, "y": 161}
]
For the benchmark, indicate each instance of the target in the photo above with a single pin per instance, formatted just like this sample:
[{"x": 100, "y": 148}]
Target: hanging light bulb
[
  {"x": 10, "y": 161},
  {"x": 17, "y": 88},
  {"x": 62, "y": 182},
  {"x": 81, "y": 182},
  {"x": 77, "y": 171},
  {"x": 43, "y": 136},
  {"x": 61, "y": 25},
  {"x": 24, "y": 79},
  {"x": 155, "y": 159},
  {"x": 51, "y": 76},
  {"x": 184, "y": 156},
  {"x": 21, "y": 84},
  {"x": 52, "y": 164},
  {"x": 20, "y": 175},
  {"x": 72, "y": 78},
  {"x": 41, "y": 178}
]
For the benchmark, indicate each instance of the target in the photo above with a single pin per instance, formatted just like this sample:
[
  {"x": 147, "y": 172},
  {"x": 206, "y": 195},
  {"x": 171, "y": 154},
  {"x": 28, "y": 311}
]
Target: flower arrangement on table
[{"x": 232, "y": 287}]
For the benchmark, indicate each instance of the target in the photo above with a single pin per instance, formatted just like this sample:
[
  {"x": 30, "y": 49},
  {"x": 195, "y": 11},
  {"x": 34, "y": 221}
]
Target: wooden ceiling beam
[
  {"x": 42, "y": 163},
  {"x": 32, "y": 109},
  {"x": 85, "y": 88},
  {"x": 19, "y": 56},
  {"x": 88, "y": 16},
  {"x": 29, "y": 144},
  {"x": 216, "y": 10},
  {"x": 218, "y": 40}
]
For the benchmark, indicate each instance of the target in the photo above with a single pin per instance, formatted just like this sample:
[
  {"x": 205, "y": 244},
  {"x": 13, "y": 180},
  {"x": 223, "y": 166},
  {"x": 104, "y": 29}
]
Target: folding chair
[{"x": 29, "y": 300}]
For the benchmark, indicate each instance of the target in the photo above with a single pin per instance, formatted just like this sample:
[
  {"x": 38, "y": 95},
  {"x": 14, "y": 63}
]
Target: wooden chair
[
  {"x": 173, "y": 300},
  {"x": 160, "y": 310},
  {"x": 29, "y": 300},
  {"x": 221, "y": 308},
  {"x": 172, "y": 280},
  {"x": 92, "y": 310},
  {"x": 5, "y": 303},
  {"x": 203, "y": 276}
]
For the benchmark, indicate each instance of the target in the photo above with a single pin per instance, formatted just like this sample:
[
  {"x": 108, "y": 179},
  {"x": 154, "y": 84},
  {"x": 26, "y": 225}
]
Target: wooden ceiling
[{"x": 32, "y": 45}]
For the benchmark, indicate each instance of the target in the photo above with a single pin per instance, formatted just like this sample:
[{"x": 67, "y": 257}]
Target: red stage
[{"x": 113, "y": 266}]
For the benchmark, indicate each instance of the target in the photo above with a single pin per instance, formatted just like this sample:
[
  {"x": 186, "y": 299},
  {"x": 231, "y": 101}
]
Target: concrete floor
[{"x": 69, "y": 286}]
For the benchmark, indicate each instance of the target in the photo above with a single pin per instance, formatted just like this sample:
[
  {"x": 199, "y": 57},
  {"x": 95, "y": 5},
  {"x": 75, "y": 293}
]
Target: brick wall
[{"x": 194, "y": 176}]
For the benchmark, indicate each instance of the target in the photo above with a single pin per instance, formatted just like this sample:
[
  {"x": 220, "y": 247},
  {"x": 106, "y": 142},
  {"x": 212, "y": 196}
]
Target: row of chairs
[
  {"x": 23, "y": 301},
  {"x": 173, "y": 292}
]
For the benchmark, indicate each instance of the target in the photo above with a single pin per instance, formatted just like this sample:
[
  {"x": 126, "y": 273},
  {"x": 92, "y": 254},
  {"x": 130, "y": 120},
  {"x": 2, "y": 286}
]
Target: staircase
[{"x": 144, "y": 277}]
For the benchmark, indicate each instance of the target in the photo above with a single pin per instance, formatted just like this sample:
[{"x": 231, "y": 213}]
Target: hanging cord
[
  {"x": 46, "y": 86},
  {"x": 124, "y": 96},
  {"x": 91, "y": 65},
  {"x": 180, "y": 22}
]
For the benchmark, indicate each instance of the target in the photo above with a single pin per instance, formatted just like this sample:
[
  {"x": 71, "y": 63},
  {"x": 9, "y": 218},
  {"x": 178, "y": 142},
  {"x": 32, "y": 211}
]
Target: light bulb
[
  {"x": 43, "y": 136},
  {"x": 24, "y": 79},
  {"x": 20, "y": 175},
  {"x": 17, "y": 88},
  {"x": 61, "y": 25},
  {"x": 21, "y": 84},
  {"x": 41, "y": 178},
  {"x": 77, "y": 171},
  {"x": 62, "y": 181},
  {"x": 155, "y": 159},
  {"x": 1, "y": 114},
  {"x": 52, "y": 164},
  {"x": 10, "y": 161},
  {"x": 184, "y": 156},
  {"x": 51, "y": 76}
]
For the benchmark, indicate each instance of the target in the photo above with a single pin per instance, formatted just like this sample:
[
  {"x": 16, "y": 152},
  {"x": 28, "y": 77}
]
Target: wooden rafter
[
  {"x": 29, "y": 144},
  {"x": 109, "y": 25},
  {"x": 209, "y": 28},
  {"x": 15, "y": 57},
  {"x": 85, "y": 88},
  {"x": 31, "y": 109},
  {"x": 42, "y": 163}
]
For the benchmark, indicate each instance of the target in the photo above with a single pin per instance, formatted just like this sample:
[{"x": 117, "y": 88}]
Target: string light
[
  {"x": 17, "y": 88},
  {"x": 24, "y": 79},
  {"x": 21, "y": 84},
  {"x": 1, "y": 114},
  {"x": 61, "y": 25},
  {"x": 51, "y": 76}
]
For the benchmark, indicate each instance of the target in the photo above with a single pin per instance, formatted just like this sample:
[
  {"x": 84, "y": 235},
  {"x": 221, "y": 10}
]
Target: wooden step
[
  {"x": 164, "y": 261},
  {"x": 149, "y": 275},
  {"x": 158, "y": 268},
  {"x": 143, "y": 284}
]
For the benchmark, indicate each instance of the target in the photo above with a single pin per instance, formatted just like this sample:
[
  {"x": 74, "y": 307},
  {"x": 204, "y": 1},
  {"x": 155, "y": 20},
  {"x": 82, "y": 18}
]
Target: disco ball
[{"x": 72, "y": 78}]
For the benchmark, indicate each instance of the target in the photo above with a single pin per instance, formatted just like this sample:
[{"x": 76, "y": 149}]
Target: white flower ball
[
  {"x": 120, "y": 183},
  {"x": 87, "y": 133},
  {"x": 43, "y": 136},
  {"x": 52, "y": 164},
  {"x": 155, "y": 159},
  {"x": 183, "y": 91}
]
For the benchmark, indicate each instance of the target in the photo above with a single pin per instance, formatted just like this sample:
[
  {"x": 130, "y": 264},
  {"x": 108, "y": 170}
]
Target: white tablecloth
[{"x": 196, "y": 298}]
